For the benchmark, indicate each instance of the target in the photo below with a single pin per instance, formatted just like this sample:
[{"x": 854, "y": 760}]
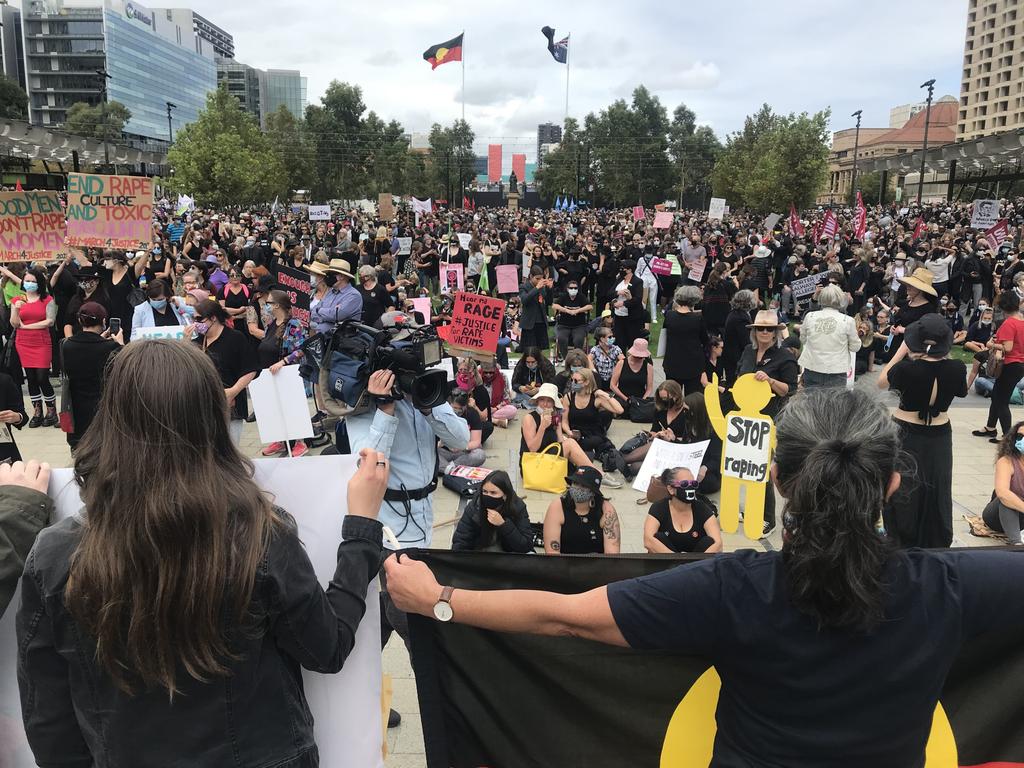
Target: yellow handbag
[{"x": 545, "y": 471}]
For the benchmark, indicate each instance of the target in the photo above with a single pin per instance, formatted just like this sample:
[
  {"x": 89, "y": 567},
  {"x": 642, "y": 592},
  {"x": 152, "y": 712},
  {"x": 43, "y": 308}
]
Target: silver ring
[{"x": 382, "y": 463}]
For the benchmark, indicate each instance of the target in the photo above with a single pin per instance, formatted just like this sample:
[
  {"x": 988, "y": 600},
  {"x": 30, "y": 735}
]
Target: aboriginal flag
[
  {"x": 442, "y": 53},
  {"x": 507, "y": 701}
]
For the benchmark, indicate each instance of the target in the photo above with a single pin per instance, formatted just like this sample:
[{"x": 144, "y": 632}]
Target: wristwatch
[{"x": 443, "y": 606}]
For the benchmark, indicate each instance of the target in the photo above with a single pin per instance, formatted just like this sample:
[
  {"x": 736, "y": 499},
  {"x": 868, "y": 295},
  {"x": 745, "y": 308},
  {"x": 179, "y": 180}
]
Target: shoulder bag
[
  {"x": 66, "y": 417},
  {"x": 546, "y": 470}
]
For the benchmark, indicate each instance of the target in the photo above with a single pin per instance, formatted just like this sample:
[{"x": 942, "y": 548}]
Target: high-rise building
[
  {"x": 287, "y": 87},
  {"x": 245, "y": 83},
  {"x": 493, "y": 163},
  {"x": 149, "y": 62},
  {"x": 547, "y": 133},
  {"x": 12, "y": 53},
  {"x": 184, "y": 24},
  {"x": 993, "y": 59}
]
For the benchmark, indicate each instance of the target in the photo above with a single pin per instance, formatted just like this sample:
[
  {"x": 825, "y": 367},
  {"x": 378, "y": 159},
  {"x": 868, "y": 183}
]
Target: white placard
[
  {"x": 697, "y": 272},
  {"x": 319, "y": 213},
  {"x": 804, "y": 286},
  {"x": 664, "y": 455},
  {"x": 747, "y": 447},
  {"x": 770, "y": 222},
  {"x": 279, "y": 401},
  {"x": 404, "y": 246},
  {"x": 346, "y": 706},
  {"x": 716, "y": 209},
  {"x": 175, "y": 332},
  {"x": 984, "y": 214},
  {"x": 464, "y": 238}
]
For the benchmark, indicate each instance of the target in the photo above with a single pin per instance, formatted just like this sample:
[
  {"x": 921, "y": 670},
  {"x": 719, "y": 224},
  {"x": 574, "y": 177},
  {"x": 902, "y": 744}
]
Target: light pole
[
  {"x": 856, "y": 146},
  {"x": 170, "y": 130},
  {"x": 930, "y": 85},
  {"x": 104, "y": 76}
]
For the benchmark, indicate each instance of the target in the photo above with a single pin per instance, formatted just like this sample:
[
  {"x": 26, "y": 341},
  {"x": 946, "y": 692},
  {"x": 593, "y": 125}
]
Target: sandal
[{"x": 983, "y": 432}]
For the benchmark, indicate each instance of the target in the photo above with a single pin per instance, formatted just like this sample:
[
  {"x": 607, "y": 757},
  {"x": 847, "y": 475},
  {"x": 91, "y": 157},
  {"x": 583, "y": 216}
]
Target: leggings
[
  {"x": 1000, "y": 517},
  {"x": 39, "y": 387},
  {"x": 999, "y": 408}
]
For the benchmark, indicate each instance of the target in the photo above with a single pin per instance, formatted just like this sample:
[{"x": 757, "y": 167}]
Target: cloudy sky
[{"x": 722, "y": 58}]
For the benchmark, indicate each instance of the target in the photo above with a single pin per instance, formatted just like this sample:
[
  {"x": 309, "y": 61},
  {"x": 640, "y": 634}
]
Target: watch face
[{"x": 442, "y": 611}]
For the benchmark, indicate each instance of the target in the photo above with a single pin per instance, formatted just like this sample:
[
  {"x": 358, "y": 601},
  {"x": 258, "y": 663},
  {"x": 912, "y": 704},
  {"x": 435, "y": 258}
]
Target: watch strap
[{"x": 446, "y": 595}]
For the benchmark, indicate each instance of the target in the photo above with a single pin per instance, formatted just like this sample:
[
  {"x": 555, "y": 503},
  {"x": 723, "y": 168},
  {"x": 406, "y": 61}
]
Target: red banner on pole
[
  {"x": 830, "y": 226},
  {"x": 860, "y": 219},
  {"x": 796, "y": 229},
  {"x": 996, "y": 234},
  {"x": 919, "y": 228},
  {"x": 476, "y": 322}
]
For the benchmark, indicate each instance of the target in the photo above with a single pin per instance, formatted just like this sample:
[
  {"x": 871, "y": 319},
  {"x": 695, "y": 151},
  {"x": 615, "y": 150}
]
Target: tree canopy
[
  {"x": 100, "y": 121},
  {"x": 13, "y": 100}
]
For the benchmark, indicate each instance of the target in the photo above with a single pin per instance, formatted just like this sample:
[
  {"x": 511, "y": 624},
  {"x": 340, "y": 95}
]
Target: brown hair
[
  {"x": 284, "y": 301},
  {"x": 173, "y": 538}
]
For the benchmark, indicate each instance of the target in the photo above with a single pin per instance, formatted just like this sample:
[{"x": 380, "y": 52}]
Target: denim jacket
[{"x": 254, "y": 717}]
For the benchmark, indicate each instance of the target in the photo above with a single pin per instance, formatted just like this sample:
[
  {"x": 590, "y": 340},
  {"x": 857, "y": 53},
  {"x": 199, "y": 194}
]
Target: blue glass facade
[{"x": 147, "y": 71}]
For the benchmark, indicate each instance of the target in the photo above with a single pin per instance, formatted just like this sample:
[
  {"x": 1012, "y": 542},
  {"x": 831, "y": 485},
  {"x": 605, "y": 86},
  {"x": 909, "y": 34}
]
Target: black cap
[
  {"x": 588, "y": 477},
  {"x": 930, "y": 335}
]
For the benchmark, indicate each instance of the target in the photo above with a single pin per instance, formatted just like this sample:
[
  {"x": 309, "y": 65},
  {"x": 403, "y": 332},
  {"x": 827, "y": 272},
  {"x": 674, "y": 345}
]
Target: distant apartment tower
[
  {"x": 493, "y": 163},
  {"x": 287, "y": 87},
  {"x": 993, "y": 70},
  {"x": 547, "y": 133},
  {"x": 245, "y": 83},
  {"x": 12, "y": 53}
]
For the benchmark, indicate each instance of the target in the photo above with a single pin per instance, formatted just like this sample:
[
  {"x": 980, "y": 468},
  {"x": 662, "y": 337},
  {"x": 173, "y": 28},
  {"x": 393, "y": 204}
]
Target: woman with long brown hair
[{"x": 168, "y": 623}]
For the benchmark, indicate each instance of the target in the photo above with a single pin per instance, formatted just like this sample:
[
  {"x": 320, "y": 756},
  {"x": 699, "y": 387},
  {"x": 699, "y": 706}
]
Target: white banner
[
  {"x": 716, "y": 210},
  {"x": 174, "y": 332},
  {"x": 804, "y": 286},
  {"x": 319, "y": 213},
  {"x": 984, "y": 214},
  {"x": 664, "y": 455},
  {"x": 346, "y": 706},
  {"x": 404, "y": 246}
]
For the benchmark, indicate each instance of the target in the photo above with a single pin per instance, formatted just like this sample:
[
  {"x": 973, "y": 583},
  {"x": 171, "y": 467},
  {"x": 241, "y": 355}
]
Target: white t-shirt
[{"x": 620, "y": 288}]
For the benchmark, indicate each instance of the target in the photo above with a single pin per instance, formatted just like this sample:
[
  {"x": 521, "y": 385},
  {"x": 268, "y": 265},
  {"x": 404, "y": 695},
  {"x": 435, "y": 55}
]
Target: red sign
[
  {"x": 476, "y": 322},
  {"x": 860, "y": 219},
  {"x": 829, "y": 226},
  {"x": 919, "y": 228},
  {"x": 661, "y": 266},
  {"x": 996, "y": 234},
  {"x": 638, "y": 213},
  {"x": 796, "y": 229}
]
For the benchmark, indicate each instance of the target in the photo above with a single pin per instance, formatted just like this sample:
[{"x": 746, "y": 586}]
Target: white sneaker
[{"x": 612, "y": 479}]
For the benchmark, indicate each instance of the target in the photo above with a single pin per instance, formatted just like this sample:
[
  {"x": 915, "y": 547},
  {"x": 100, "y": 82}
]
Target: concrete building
[
  {"x": 12, "y": 52},
  {"x": 547, "y": 133},
  {"x": 287, "y": 87},
  {"x": 245, "y": 83},
  {"x": 992, "y": 85},
  {"x": 544, "y": 150},
  {"x": 182, "y": 25},
  {"x": 150, "y": 60}
]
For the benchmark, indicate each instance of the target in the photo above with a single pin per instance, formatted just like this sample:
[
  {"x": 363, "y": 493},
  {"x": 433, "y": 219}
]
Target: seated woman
[
  {"x": 467, "y": 380},
  {"x": 978, "y": 336},
  {"x": 541, "y": 428},
  {"x": 585, "y": 417},
  {"x": 491, "y": 392},
  {"x": 670, "y": 418},
  {"x": 633, "y": 376},
  {"x": 714, "y": 365},
  {"x": 696, "y": 428},
  {"x": 603, "y": 356},
  {"x": 495, "y": 519},
  {"x": 532, "y": 370},
  {"x": 473, "y": 455},
  {"x": 582, "y": 521},
  {"x": 682, "y": 522},
  {"x": 1005, "y": 513},
  {"x": 575, "y": 360}
]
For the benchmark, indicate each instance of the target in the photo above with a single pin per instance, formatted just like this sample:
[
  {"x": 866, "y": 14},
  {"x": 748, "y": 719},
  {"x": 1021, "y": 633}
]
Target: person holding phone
[{"x": 32, "y": 315}]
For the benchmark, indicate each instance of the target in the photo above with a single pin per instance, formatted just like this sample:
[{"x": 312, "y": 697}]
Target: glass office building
[{"x": 288, "y": 87}]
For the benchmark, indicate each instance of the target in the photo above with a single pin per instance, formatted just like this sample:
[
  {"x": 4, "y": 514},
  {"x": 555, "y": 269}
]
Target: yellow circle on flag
[
  {"x": 441, "y": 53},
  {"x": 690, "y": 738}
]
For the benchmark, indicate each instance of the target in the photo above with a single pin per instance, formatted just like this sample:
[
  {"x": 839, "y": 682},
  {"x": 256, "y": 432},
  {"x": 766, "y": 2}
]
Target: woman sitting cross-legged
[{"x": 495, "y": 519}]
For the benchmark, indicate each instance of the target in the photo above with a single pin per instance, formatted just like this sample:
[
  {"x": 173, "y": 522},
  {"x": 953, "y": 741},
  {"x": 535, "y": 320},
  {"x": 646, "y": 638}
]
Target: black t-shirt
[
  {"x": 167, "y": 317},
  {"x": 375, "y": 303},
  {"x": 117, "y": 296},
  {"x": 472, "y": 419},
  {"x": 233, "y": 357},
  {"x": 693, "y": 540},
  {"x": 779, "y": 363},
  {"x": 572, "y": 321},
  {"x": 795, "y": 695},
  {"x": 915, "y": 380}
]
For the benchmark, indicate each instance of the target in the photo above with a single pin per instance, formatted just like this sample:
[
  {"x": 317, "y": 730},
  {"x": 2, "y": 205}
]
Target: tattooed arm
[
  {"x": 553, "y": 521},
  {"x": 610, "y": 529}
]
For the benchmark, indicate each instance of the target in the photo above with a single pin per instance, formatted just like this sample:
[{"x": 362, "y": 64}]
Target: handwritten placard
[
  {"x": 32, "y": 225},
  {"x": 716, "y": 209},
  {"x": 296, "y": 284},
  {"x": 476, "y": 322},
  {"x": 804, "y": 286},
  {"x": 173, "y": 332},
  {"x": 319, "y": 213},
  {"x": 109, "y": 211},
  {"x": 404, "y": 246},
  {"x": 697, "y": 270},
  {"x": 664, "y": 455},
  {"x": 747, "y": 448},
  {"x": 663, "y": 220},
  {"x": 661, "y": 266},
  {"x": 508, "y": 278}
]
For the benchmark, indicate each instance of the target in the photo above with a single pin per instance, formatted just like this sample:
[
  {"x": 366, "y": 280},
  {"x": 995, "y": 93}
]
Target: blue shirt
[
  {"x": 175, "y": 230},
  {"x": 409, "y": 440},
  {"x": 337, "y": 305}
]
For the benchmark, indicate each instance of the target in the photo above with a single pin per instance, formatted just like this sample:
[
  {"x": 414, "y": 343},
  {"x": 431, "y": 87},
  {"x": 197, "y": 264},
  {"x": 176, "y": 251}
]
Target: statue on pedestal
[{"x": 513, "y": 183}]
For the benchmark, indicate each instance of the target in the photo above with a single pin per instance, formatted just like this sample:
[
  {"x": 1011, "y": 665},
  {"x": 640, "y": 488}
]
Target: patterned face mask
[{"x": 579, "y": 494}]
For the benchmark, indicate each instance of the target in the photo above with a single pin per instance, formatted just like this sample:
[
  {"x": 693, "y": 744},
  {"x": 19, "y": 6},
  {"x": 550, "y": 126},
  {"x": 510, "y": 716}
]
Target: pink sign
[
  {"x": 422, "y": 305},
  {"x": 662, "y": 220},
  {"x": 638, "y": 212},
  {"x": 508, "y": 278},
  {"x": 697, "y": 271},
  {"x": 661, "y": 266}
]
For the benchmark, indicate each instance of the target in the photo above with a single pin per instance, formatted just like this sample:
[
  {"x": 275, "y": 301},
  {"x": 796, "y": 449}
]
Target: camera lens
[{"x": 427, "y": 390}]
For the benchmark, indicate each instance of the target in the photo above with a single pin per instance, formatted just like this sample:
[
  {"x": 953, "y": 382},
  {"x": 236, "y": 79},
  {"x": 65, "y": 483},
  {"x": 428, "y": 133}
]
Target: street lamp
[
  {"x": 930, "y": 85},
  {"x": 856, "y": 145},
  {"x": 104, "y": 76},
  {"x": 170, "y": 130}
]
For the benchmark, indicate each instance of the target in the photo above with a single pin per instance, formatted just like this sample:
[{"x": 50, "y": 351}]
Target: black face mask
[
  {"x": 687, "y": 495},
  {"x": 491, "y": 502}
]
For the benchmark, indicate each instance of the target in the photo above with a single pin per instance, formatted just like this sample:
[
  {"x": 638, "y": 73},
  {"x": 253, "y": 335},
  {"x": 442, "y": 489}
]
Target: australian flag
[{"x": 559, "y": 50}]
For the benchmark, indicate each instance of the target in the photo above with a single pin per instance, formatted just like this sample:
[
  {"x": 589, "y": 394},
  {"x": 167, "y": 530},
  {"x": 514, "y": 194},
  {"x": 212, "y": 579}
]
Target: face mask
[
  {"x": 611, "y": 341},
  {"x": 531, "y": 366},
  {"x": 1019, "y": 445},
  {"x": 580, "y": 495},
  {"x": 545, "y": 411},
  {"x": 664, "y": 403},
  {"x": 491, "y": 502},
  {"x": 688, "y": 495},
  {"x": 202, "y": 328},
  {"x": 158, "y": 304},
  {"x": 464, "y": 381},
  {"x": 576, "y": 368},
  {"x": 30, "y": 287},
  {"x": 190, "y": 311},
  {"x": 985, "y": 322},
  {"x": 576, "y": 386},
  {"x": 487, "y": 376}
]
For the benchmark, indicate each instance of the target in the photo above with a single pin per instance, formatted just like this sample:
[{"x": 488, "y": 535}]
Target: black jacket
[
  {"x": 85, "y": 357},
  {"x": 23, "y": 513},
  {"x": 256, "y": 716},
  {"x": 535, "y": 303},
  {"x": 514, "y": 535}
]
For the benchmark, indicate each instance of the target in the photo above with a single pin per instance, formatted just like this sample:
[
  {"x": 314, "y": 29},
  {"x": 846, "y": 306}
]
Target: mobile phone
[
  {"x": 556, "y": 419},
  {"x": 115, "y": 325}
]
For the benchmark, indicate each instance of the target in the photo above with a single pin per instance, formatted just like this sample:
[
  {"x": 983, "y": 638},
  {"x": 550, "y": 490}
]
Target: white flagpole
[
  {"x": 567, "y": 37},
  {"x": 463, "y": 75}
]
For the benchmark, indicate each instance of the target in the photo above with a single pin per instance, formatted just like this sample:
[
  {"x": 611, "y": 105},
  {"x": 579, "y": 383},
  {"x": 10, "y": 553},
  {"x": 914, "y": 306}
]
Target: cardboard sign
[
  {"x": 661, "y": 266},
  {"x": 452, "y": 279},
  {"x": 747, "y": 448},
  {"x": 404, "y": 246},
  {"x": 664, "y": 455},
  {"x": 984, "y": 213},
  {"x": 295, "y": 282},
  {"x": 464, "y": 238},
  {"x": 771, "y": 220},
  {"x": 109, "y": 211},
  {"x": 32, "y": 226},
  {"x": 508, "y": 278},
  {"x": 279, "y": 402},
  {"x": 716, "y": 209},
  {"x": 476, "y": 322},
  {"x": 386, "y": 206},
  {"x": 663, "y": 220},
  {"x": 319, "y": 213},
  {"x": 638, "y": 213},
  {"x": 804, "y": 286},
  {"x": 173, "y": 332},
  {"x": 697, "y": 271}
]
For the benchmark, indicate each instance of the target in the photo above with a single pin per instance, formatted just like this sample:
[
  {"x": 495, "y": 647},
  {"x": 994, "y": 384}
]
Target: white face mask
[{"x": 572, "y": 293}]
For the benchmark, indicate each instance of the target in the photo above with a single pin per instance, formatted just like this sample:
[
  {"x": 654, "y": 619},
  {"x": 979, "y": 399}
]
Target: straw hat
[
  {"x": 340, "y": 267},
  {"x": 767, "y": 318},
  {"x": 548, "y": 390},
  {"x": 317, "y": 268},
  {"x": 920, "y": 279}
]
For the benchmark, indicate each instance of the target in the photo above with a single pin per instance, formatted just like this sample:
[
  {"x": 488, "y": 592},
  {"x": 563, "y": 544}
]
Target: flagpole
[
  {"x": 567, "y": 54},
  {"x": 463, "y": 75}
]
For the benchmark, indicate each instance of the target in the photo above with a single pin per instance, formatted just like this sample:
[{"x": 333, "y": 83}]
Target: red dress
[{"x": 34, "y": 346}]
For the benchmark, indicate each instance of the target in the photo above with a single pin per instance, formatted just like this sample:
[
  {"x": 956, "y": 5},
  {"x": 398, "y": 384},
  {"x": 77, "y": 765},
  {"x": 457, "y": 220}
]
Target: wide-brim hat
[
  {"x": 931, "y": 335},
  {"x": 316, "y": 268},
  {"x": 639, "y": 348},
  {"x": 767, "y": 318},
  {"x": 920, "y": 279},
  {"x": 548, "y": 390},
  {"x": 87, "y": 273},
  {"x": 587, "y": 477},
  {"x": 340, "y": 267}
]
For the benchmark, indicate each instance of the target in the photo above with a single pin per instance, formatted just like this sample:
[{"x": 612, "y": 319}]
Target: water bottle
[{"x": 143, "y": 282}]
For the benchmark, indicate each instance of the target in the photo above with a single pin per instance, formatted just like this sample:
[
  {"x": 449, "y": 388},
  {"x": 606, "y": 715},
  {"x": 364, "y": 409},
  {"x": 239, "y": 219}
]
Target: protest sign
[
  {"x": 997, "y": 234},
  {"x": 697, "y": 270},
  {"x": 319, "y": 213},
  {"x": 770, "y": 221},
  {"x": 638, "y": 213},
  {"x": 32, "y": 225},
  {"x": 404, "y": 246},
  {"x": 386, "y": 206},
  {"x": 173, "y": 332},
  {"x": 351, "y": 740},
  {"x": 663, "y": 220},
  {"x": 422, "y": 305},
  {"x": 508, "y": 278},
  {"x": 664, "y": 455},
  {"x": 109, "y": 211},
  {"x": 661, "y": 266},
  {"x": 748, "y": 448},
  {"x": 279, "y": 401},
  {"x": 476, "y": 322},
  {"x": 984, "y": 213},
  {"x": 716, "y": 209},
  {"x": 451, "y": 278},
  {"x": 804, "y": 286},
  {"x": 464, "y": 238},
  {"x": 296, "y": 284}
]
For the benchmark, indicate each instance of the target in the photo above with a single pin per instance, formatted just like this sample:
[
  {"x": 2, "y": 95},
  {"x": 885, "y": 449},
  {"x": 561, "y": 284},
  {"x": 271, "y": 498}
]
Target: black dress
[
  {"x": 694, "y": 540},
  {"x": 633, "y": 383},
  {"x": 684, "y": 349},
  {"x": 735, "y": 338}
]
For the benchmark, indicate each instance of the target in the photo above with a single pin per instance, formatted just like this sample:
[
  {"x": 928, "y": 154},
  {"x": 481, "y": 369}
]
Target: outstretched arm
[{"x": 714, "y": 405}]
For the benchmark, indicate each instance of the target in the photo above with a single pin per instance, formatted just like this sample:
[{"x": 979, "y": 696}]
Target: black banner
[
  {"x": 295, "y": 282},
  {"x": 511, "y": 701}
]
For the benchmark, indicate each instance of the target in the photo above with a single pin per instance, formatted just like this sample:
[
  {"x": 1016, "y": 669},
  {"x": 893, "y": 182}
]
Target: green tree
[
  {"x": 694, "y": 151},
  {"x": 224, "y": 159},
  {"x": 102, "y": 121},
  {"x": 289, "y": 140},
  {"x": 13, "y": 100},
  {"x": 868, "y": 183},
  {"x": 451, "y": 160},
  {"x": 336, "y": 128}
]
